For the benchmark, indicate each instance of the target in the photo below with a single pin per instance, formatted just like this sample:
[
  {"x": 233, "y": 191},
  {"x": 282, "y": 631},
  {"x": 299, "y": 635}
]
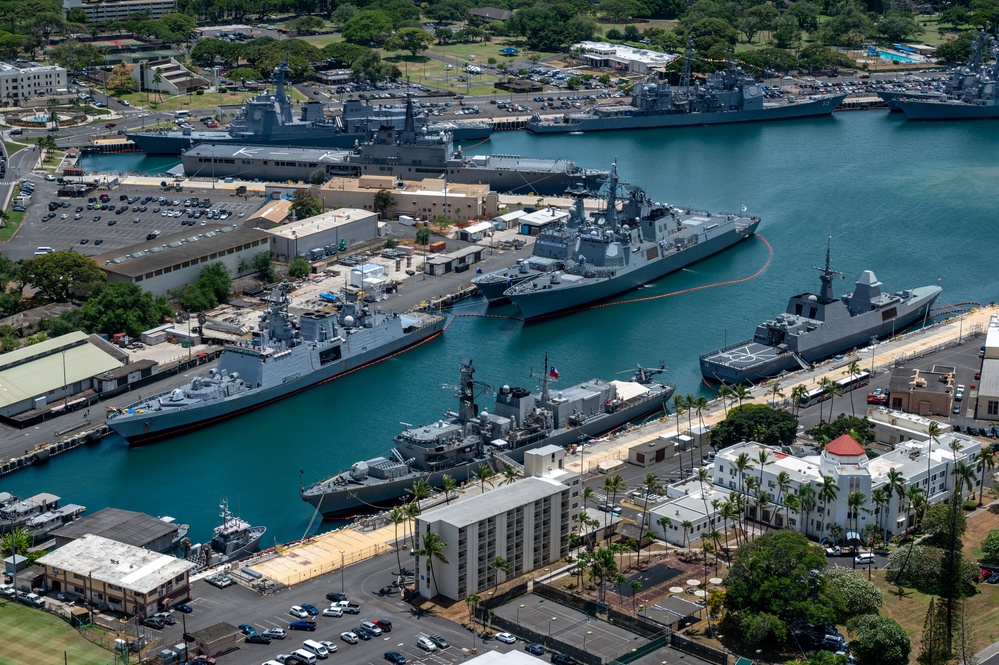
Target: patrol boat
[
  {"x": 728, "y": 96},
  {"x": 284, "y": 357},
  {"x": 623, "y": 250},
  {"x": 462, "y": 441},
  {"x": 814, "y": 327},
  {"x": 232, "y": 540}
]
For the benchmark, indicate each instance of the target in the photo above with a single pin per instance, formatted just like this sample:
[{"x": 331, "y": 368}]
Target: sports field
[{"x": 33, "y": 637}]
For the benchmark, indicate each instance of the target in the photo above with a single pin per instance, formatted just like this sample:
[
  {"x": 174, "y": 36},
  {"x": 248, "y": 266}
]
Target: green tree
[
  {"x": 859, "y": 595},
  {"x": 123, "y": 307},
  {"x": 957, "y": 50},
  {"x": 215, "y": 279},
  {"x": 807, "y": 14},
  {"x": 990, "y": 547},
  {"x": 120, "y": 80},
  {"x": 367, "y": 26},
  {"x": 433, "y": 548},
  {"x": 76, "y": 15},
  {"x": 942, "y": 522},
  {"x": 243, "y": 74},
  {"x": 193, "y": 298},
  {"x": 498, "y": 565},
  {"x": 60, "y": 275},
  {"x": 382, "y": 201},
  {"x": 369, "y": 66},
  {"x": 262, "y": 263},
  {"x": 755, "y": 422},
  {"x": 74, "y": 55},
  {"x": 413, "y": 40},
  {"x": 305, "y": 25},
  {"x": 484, "y": 474},
  {"x": 423, "y": 236},
  {"x": 19, "y": 541},
  {"x": 620, "y": 11},
  {"x": 899, "y": 26},
  {"x": 344, "y": 53},
  {"x": 305, "y": 205},
  {"x": 878, "y": 639},
  {"x": 299, "y": 267}
]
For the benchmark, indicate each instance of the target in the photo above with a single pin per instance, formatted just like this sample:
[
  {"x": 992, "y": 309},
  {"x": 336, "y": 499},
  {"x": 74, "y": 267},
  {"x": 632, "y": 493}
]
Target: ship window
[
  {"x": 811, "y": 312},
  {"x": 888, "y": 313},
  {"x": 330, "y": 355},
  {"x": 797, "y": 308}
]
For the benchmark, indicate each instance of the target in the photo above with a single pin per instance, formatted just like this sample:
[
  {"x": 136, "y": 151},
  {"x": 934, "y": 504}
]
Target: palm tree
[
  {"x": 613, "y": 485},
  {"x": 651, "y": 486},
  {"x": 797, "y": 394},
  {"x": 602, "y": 566},
  {"x": 472, "y": 601},
  {"x": 157, "y": 79},
  {"x": 828, "y": 490},
  {"x": 964, "y": 476},
  {"x": 725, "y": 393},
  {"x": 687, "y": 527},
  {"x": 776, "y": 392},
  {"x": 433, "y": 548},
  {"x": 806, "y": 503},
  {"x": 448, "y": 484},
  {"x": 665, "y": 523},
  {"x": 398, "y": 516},
  {"x": 783, "y": 481},
  {"x": 741, "y": 393},
  {"x": 917, "y": 503},
  {"x": 763, "y": 457},
  {"x": 855, "y": 502},
  {"x": 933, "y": 431},
  {"x": 412, "y": 510},
  {"x": 762, "y": 501},
  {"x": 419, "y": 491},
  {"x": 688, "y": 403},
  {"x": 498, "y": 565},
  {"x": 987, "y": 462},
  {"x": 743, "y": 464},
  {"x": 791, "y": 505},
  {"x": 587, "y": 494},
  {"x": 852, "y": 370},
  {"x": 880, "y": 498},
  {"x": 824, "y": 384},
  {"x": 894, "y": 486},
  {"x": 729, "y": 512},
  {"x": 636, "y": 586},
  {"x": 510, "y": 475},
  {"x": 484, "y": 474}
]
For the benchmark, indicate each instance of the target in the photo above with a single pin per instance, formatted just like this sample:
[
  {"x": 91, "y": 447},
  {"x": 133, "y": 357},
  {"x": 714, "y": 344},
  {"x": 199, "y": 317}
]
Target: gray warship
[
  {"x": 623, "y": 250},
  {"x": 962, "y": 78},
  {"x": 728, "y": 96},
  {"x": 459, "y": 443},
  {"x": 232, "y": 540},
  {"x": 814, "y": 327},
  {"x": 415, "y": 153},
  {"x": 269, "y": 119},
  {"x": 977, "y": 97},
  {"x": 284, "y": 357}
]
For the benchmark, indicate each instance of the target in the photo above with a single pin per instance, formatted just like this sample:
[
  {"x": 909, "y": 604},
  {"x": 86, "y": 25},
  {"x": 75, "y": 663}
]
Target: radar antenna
[{"x": 826, "y": 293}]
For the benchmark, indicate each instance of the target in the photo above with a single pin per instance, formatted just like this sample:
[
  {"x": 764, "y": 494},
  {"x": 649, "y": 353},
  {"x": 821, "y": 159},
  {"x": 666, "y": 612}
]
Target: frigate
[
  {"x": 727, "y": 96},
  {"x": 460, "y": 442},
  {"x": 816, "y": 326},
  {"x": 625, "y": 249},
  {"x": 283, "y": 357}
]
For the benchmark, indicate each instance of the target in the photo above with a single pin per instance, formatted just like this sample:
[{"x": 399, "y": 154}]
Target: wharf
[{"x": 318, "y": 555}]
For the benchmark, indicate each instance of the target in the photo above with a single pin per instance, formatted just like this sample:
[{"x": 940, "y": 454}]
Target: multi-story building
[
  {"x": 32, "y": 80},
  {"x": 124, "y": 578},
  {"x": 841, "y": 469},
  {"x": 114, "y": 10},
  {"x": 526, "y": 523},
  {"x": 173, "y": 79}
]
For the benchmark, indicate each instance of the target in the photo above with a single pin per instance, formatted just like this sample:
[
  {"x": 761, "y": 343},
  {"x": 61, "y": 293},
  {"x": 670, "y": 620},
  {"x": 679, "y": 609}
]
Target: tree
[
  {"x": 620, "y": 11},
  {"x": 120, "y": 80},
  {"x": 76, "y": 15},
  {"x": 613, "y": 485},
  {"x": 215, "y": 279},
  {"x": 60, "y": 275},
  {"x": 807, "y": 14},
  {"x": 299, "y": 267},
  {"x": 990, "y": 547},
  {"x": 318, "y": 177},
  {"x": 433, "y": 548},
  {"x": 123, "y": 307},
  {"x": 650, "y": 485},
  {"x": 19, "y": 541},
  {"x": 987, "y": 461},
  {"x": 369, "y": 66},
  {"x": 305, "y": 205},
  {"x": 305, "y": 25},
  {"x": 413, "y": 40},
  {"x": 262, "y": 263},
  {"x": 498, "y": 565},
  {"x": 755, "y": 422},
  {"x": 943, "y": 522},
  {"x": 449, "y": 485},
  {"x": 861, "y": 429},
  {"x": 880, "y": 640},
  {"x": 484, "y": 474},
  {"x": 243, "y": 74},
  {"x": 74, "y": 55},
  {"x": 773, "y": 580},
  {"x": 398, "y": 516},
  {"x": 899, "y": 26},
  {"x": 382, "y": 201},
  {"x": 367, "y": 26},
  {"x": 472, "y": 602},
  {"x": 859, "y": 595}
]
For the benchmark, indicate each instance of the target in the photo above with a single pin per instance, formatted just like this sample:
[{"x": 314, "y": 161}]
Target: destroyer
[
  {"x": 728, "y": 96},
  {"x": 817, "y": 326},
  {"x": 283, "y": 358},
  {"x": 269, "y": 119},
  {"x": 460, "y": 442},
  {"x": 622, "y": 250}
]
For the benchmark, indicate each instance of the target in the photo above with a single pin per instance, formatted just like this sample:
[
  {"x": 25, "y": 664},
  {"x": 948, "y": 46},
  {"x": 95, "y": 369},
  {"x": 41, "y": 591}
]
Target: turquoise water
[
  {"x": 920, "y": 220},
  {"x": 894, "y": 57},
  {"x": 127, "y": 162}
]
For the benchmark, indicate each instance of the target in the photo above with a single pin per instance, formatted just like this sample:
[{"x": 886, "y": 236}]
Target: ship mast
[
  {"x": 611, "y": 213},
  {"x": 280, "y": 95},
  {"x": 685, "y": 76},
  {"x": 826, "y": 293}
]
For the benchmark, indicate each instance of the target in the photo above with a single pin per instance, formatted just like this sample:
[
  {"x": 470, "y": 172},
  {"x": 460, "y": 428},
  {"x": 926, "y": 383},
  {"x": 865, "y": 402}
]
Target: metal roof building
[
  {"x": 123, "y": 526},
  {"x": 169, "y": 262},
  {"x": 351, "y": 225},
  {"x": 50, "y": 371}
]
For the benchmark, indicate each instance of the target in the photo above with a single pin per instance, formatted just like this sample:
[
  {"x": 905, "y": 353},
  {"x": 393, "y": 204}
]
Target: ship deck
[{"x": 743, "y": 356}]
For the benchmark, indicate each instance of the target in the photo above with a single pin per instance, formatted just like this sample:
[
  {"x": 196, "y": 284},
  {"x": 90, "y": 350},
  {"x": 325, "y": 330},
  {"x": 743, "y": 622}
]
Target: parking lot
[{"x": 91, "y": 225}]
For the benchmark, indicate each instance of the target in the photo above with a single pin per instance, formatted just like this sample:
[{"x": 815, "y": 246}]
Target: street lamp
[
  {"x": 518, "y": 613},
  {"x": 341, "y": 571},
  {"x": 873, "y": 351},
  {"x": 550, "y": 621},
  {"x": 589, "y": 632}
]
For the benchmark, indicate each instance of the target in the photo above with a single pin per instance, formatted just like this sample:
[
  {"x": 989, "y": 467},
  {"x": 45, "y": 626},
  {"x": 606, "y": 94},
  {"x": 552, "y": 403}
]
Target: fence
[
  {"x": 639, "y": 625},
  {"x": 501, "y": 599},
  {"x": 642, "y": 651},
  {"x": 530, "y": 635},
  {"x": 288, "y": 579},
  {"x": 681, "y": 643},
  {"x": 590, "y": 607}
]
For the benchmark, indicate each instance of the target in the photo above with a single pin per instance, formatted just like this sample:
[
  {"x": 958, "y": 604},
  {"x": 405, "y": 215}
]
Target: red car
[
  {"x": 978, "y": 376},
  {"x": 110, "y": 125}
]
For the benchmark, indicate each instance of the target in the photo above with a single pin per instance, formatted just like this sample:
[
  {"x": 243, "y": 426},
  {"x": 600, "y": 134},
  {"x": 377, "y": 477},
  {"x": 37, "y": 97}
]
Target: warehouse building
[
  {"x": 123, "y": 526},
  {"x": 328, "y": 229},
  {"x": 103, "y": 12},
  {"x": 424, "y": 199}
]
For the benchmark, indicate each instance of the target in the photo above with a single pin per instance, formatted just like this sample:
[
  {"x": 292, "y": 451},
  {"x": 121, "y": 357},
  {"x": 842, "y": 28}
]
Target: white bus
[{"x": 845, "y": 385}]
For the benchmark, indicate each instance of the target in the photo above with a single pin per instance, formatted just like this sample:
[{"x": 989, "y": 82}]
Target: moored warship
[
  {"x": 284, "y": 357},
  {"x": 459, "y": 443},
  {"x": 232, "y": 540},
  {"x": 624, "y": 249},
  {"x": 728, "y": 96},
  {"x": 816, "y": 326}
]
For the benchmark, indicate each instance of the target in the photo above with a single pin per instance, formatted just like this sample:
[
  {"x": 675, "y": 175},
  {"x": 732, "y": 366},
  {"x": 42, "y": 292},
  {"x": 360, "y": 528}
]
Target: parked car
[
  {"x": 362, "y": 633},
  {"x": 302, "y": 624},
  {"x": 864, "y": 558},
  {"x": 563, "y": 659},
  {"x": 336, "y": 596},
  {"x": 506, "y": 638},
  {"x": 167, "y": 618},
  {"x": 385, "y": 625},
  {"x": 275, "y": 633},
  {"x": 311, "y": 609},
  {"x": 395, "y": 657},
  {"x": 333, "y": 612},
  {"x": 186, "y": 609},
  {"x": 246, "y": 629},
  {"x": 536, "y": 649},
  {"x": 348, "y": 637},
  {"x": 154, "y": 622},
  {"x": 257, "y": 638},
  {"x": 834, "y": 551},
  {"x": 439, "y": 641},
  {"x": 371, "y": 628},
  {"x": 330, "y": 646},
  {"x": 426, "y": 643}
]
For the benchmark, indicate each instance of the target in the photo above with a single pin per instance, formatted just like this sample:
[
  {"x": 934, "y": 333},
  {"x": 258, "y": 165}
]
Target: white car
[
  {"x": 297, "y": 611},
  {"x": 506, "y": 638},
  {"x": 864, "y": 558},
  {"x": 330, "y": 646},
  {"x": 275, "y": 633},
  {"x": 349, "y": 637},
  {"x": 333, "y": 612},
  {"x": 426, "y": 644}
]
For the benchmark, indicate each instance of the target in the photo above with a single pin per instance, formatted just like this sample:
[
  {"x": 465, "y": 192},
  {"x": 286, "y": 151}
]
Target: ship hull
[
  {"x": 821, "y": 107},
  {"x": 174, "y": 143},
  {"x": 936, "y": 110},
  {"x": 353, "y": 499},
  {"x": 761, "y": 361},
  {"x": 892, "y": 98},
  {"x": 544, "y": 302},
  {"x": 141, "y": 429},
  {"x": 492, "y": 286}
]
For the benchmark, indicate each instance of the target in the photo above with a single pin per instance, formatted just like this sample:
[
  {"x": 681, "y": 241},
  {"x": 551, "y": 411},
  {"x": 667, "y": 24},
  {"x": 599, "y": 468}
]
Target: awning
[{"x": 852, "y": 535}]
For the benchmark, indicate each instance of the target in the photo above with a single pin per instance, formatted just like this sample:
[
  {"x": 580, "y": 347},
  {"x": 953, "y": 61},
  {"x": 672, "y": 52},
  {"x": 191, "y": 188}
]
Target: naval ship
[
  {"x": 814, "y": 327},
  {"x": 962, "y": 78},
  {"x": 284, "y": 357},
  {"x": 976, "y": 99},
  {"x": 459, "y": 443},
  {"x": 624, "y": 249},
  {"x": 232, "y": 540},
  {"x": 728, "y": 96},
  {"x": 269, "y": 119}
]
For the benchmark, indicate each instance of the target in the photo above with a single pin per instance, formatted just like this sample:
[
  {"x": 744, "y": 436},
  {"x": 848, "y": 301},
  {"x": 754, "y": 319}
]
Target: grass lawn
[
  {"x": 14, "y": 220},
  {"x": 320, "y": 41},
  {"x": 12, "y": 147},
  {"x": 33, "y": 637},
  {"x": 979, "y": 527},
  {"x": 53, "y": 157},
  {"x": 93, "y": 110}
]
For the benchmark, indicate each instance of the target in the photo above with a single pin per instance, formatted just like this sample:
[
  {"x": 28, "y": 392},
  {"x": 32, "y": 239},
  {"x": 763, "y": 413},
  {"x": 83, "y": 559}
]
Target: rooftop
[
  {"x": 495, "y": 502},
  {"x": 989, "y": 384},
  {"x": 845, "y": 446},
  {"x": 321, "y": 222},
  {"x": 904, "y": 380},
  {"x": 117, "y": 563},
  {"x": 123, "y": 526}
]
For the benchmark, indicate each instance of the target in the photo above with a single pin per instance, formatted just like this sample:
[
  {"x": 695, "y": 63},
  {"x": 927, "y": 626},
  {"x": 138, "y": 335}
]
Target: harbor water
[{"x": 910, "y": 201}]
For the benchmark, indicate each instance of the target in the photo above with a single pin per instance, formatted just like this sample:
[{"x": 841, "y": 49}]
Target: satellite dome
[
  {"x": 505, "y": 389},
  {"x": 484, "y": 414},
  {"x": 812, "y": 298},
  {"x": 348, "y": 320}
]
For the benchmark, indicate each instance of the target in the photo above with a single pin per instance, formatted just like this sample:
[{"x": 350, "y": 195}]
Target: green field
[
  {"x": 33, "y": 637},
  {"x": 14, "y": 220},
  {"x": 12, "y": 147}
]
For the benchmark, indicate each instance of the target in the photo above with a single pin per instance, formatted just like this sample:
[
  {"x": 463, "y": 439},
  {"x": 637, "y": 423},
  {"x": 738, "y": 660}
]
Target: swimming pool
[{"x": 896, "y": 57}]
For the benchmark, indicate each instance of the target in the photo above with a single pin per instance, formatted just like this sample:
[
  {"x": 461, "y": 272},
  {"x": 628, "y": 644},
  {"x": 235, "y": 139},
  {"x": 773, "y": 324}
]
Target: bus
[
  {"x": 845, "y": 385},
  {"x": 181, "y": 115}
]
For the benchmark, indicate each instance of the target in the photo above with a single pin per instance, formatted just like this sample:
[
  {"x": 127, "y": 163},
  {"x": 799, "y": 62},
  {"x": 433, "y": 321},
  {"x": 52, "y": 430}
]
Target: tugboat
[{"x": 234, "y": 539}]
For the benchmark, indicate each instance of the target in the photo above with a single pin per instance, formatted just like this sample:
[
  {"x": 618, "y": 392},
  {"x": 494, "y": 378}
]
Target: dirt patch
[{"x": 979, "y": 526}]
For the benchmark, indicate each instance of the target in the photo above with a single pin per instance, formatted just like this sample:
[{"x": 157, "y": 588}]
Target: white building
[
  {"x": 987, "y": 402},
  {"x": 527, "y": 523},
  {"x": 101, "y": 12},
  {"x": 621, "y": 58},
  {"x": 925, "y": 464},
  {"x": 326, "y": 229},
  {"x": 20, "y": 83},
  {"x": 174, "y": 78}
]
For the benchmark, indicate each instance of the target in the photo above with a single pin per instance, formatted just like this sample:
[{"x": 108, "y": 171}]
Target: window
[{"x": 993, "y": 407}]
